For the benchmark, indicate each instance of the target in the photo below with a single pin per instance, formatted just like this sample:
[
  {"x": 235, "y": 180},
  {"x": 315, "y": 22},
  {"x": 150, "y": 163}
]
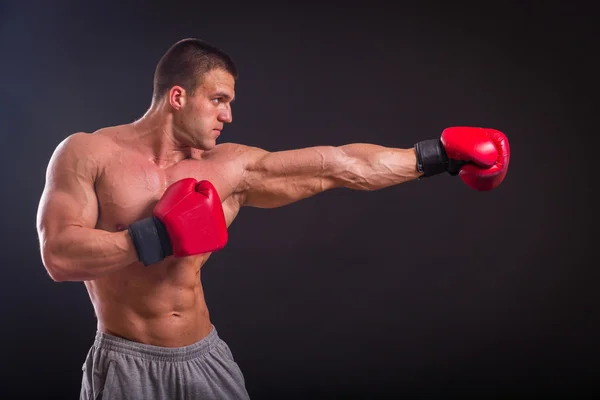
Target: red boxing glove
[
  {"x": 479, "y": 155},
  {"x": 485, "y": 151},
  {"x": 187, "y": 220},
  {"x": 192, "y": 214}
]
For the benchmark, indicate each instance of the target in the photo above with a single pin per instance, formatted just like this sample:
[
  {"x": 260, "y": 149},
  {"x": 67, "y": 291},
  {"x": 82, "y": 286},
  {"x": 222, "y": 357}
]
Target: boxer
[{"x": 134, "y": 211}]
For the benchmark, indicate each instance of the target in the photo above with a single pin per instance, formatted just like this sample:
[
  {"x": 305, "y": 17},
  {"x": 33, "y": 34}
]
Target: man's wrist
[
  {"x": 431, "y": 157},
  {"x": 150, "y": 239}
]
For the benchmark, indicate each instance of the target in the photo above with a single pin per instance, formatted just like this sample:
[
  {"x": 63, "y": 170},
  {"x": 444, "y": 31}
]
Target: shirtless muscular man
[{"x": 135, "y": 210}]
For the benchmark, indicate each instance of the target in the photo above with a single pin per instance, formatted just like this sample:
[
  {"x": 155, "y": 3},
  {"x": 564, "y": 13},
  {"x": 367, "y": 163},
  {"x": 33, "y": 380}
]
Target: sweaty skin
[{"x": 97, "y": 184}]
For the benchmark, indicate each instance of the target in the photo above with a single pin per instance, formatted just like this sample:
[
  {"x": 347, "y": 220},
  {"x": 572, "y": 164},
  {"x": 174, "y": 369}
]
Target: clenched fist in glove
[
  {"x": 480, "y": 156},
  {"x": 187, "y": 220}
]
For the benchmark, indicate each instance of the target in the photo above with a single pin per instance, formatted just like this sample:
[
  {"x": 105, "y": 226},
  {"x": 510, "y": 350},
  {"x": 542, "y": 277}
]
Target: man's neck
[{"x": 155, "y": 137}]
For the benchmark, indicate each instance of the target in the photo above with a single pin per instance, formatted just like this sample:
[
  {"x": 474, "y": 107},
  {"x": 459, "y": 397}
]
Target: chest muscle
[{"x": 128, "y": 191}]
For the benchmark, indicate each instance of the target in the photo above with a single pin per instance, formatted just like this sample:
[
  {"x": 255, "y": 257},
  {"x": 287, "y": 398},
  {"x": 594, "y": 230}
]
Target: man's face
[{"x": 208, "y": 109}]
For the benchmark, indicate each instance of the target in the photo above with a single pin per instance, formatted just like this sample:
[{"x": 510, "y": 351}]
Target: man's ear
[{"x": 177, "y": 97}]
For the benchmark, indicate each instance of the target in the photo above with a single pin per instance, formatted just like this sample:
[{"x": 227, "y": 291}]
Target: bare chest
[{"x": 129, "y": 188}]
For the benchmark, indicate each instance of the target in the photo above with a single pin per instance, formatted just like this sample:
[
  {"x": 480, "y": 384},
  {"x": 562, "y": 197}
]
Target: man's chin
[{"x": 207, "y": 145}]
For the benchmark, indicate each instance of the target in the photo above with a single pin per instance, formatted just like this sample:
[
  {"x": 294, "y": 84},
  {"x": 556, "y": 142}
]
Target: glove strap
[
  {"x": 431, "y": 157},
  {"x": 151, "y": 240}
]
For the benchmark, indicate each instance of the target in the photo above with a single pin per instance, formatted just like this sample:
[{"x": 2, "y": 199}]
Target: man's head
[
  {"x": 185, "y": 63},
  {"x": 196, "y": 81}
]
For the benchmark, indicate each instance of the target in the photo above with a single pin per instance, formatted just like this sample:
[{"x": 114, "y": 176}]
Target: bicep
[
  {"x": 274, "y": 179},
  {"x": 68, "y": 198}
]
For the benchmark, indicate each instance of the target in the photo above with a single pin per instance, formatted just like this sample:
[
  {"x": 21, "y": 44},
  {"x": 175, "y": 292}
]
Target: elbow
[
  {"x": 355, "y": 178},
  {"x": 353, "y": 172},
  {"x": 55, "y": 265},
  {"x": 343, "y": 169}
]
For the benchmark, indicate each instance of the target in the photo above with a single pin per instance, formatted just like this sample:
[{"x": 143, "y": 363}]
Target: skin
[{"x": 97, "y": 184}]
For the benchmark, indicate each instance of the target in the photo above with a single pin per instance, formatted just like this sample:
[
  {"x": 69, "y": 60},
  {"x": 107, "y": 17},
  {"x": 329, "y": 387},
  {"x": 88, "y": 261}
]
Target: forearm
[
  {"x": 80, "y": 254},
  {"x": 280, "y": 178},
  {"x": 372, "y": 167}
]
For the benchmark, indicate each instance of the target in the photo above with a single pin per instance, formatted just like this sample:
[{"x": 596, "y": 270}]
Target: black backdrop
[{"x": 426, "y": 288}]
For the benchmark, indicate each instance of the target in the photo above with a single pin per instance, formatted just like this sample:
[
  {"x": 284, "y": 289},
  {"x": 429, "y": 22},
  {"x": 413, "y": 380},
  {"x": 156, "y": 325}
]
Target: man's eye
[{"x": 216, "y": 101}]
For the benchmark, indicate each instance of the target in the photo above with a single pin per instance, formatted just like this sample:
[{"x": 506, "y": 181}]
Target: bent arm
[
  {"x": 279, "y": 178},
  {"x": 71, "y": 248}
]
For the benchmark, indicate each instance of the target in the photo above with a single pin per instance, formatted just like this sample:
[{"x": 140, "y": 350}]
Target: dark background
[{"x": 426, "y": 288}]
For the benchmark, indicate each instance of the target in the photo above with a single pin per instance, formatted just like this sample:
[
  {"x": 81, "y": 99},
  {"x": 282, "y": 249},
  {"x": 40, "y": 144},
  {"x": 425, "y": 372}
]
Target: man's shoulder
[
  {"x": 230, "y": 147},
  {"x": 232, "y": 151},
  {"x": 92, "y": 147},
  {"x": 81, "y": 140},
  {"x": 89, "y": 142}
]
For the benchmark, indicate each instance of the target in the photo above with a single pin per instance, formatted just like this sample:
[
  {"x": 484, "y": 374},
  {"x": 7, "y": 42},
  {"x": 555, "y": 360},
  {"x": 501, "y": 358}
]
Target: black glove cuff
[
  {"x": 431, "y": 157},
  {"x": 151, "y": 240}
]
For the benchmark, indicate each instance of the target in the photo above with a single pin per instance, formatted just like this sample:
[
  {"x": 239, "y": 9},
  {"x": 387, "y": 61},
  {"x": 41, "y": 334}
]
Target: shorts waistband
[{"x": 157, "y": 353}]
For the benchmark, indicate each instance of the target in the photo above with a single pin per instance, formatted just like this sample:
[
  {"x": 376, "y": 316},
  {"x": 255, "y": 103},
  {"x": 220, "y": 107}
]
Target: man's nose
[{"x": 226, "y": 115}]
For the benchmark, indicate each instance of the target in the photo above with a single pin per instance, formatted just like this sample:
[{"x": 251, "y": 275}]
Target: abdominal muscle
[{"x": 161, "y": 304}]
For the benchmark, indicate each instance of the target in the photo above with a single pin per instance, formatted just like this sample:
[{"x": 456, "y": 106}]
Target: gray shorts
[{"x": 116, "y": 368}]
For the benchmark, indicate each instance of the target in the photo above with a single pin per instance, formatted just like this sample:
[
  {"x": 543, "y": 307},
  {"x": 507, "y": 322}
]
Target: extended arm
[
  {"x": 279, "y": 178},
  {"x": 72, "y": 250},
  {"x": 479, "y": 155}
]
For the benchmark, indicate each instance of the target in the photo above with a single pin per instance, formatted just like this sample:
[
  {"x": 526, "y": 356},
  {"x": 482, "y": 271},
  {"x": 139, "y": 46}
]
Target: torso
[{"x": 161, "y": 304}]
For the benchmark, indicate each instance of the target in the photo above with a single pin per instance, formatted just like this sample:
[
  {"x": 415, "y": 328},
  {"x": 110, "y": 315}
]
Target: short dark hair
[{"x": 184, "y": 64}]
